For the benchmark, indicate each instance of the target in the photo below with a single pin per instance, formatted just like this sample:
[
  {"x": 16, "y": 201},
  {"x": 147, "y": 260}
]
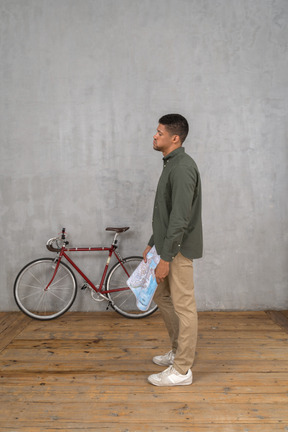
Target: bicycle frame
[{"x": 111, "y": 250}]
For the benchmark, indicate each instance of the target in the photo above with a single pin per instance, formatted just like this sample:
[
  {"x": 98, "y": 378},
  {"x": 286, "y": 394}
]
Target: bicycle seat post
[{"x": 115, "y": 241}]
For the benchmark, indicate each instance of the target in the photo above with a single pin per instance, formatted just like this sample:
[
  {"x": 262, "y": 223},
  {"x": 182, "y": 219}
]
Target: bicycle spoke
[
  {"x": 33, "y": 286},
  {"x": 25, "y": 297},
  {"x": 34, "y": 277},
  {"x": 40, "y": 301},
  {"x": 59, "y": 280},
  {"x": 123, "y": 302},
  {"x": 52, "y": 293}
]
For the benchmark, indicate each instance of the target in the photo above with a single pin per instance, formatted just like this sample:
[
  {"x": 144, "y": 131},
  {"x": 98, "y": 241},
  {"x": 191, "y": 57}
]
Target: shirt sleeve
[
  {"x": 183, "y": 181},
  {"x": 151, "y": 241}
]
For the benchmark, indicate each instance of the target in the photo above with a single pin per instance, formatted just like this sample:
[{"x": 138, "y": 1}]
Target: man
[{"x": 177, "y": 236}]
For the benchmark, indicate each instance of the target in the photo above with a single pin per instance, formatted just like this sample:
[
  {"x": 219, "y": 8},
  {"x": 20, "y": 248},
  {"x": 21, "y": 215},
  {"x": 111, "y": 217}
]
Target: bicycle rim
[
  {"x": 31, "y": 294},
  {"x": 124, "y": 302}
]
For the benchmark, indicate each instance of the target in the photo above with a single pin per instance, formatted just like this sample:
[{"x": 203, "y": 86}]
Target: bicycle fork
[{"x": 57, "y": 262}]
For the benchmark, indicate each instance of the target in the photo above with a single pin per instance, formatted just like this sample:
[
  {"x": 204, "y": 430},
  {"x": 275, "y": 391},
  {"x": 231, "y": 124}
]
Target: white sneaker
[
  {"x": 165, "y": 360},
  {"x": 170, "y": 377}
]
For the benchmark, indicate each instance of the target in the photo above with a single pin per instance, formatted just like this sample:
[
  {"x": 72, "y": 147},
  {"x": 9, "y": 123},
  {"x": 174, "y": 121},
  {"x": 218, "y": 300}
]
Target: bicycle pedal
[{"x": 85, "y": 286}]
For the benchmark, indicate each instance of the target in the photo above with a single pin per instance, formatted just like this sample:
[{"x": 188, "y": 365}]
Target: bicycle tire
[
  {"x": 124, "y": 302},
  {"x": 30, "y": 294}
]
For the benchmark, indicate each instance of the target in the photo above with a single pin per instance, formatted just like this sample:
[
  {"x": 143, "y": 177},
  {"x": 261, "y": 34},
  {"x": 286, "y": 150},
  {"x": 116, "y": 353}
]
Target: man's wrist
[{"x": 165, "y": 258}]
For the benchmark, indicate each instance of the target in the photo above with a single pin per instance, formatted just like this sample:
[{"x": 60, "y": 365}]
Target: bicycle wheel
[
  {"x": 124, "y": 302},
  {"x": 32, "y": 297}
]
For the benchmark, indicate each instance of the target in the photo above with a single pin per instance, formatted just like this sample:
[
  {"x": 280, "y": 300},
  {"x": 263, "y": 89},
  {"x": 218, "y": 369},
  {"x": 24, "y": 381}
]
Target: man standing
[{"x": 177, "y": 236}]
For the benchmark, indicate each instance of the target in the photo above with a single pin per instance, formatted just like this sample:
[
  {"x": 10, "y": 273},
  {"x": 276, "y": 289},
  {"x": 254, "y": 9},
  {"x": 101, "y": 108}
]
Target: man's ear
[{"x": 176, "y": 140}]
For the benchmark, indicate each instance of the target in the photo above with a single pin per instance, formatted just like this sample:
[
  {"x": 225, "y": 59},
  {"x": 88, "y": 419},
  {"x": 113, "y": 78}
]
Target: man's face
[{"x": 163, "y": 140}]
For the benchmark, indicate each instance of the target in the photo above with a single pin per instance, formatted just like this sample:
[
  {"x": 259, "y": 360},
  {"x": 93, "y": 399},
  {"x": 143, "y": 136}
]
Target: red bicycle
[{"x": 46, "y": 288}]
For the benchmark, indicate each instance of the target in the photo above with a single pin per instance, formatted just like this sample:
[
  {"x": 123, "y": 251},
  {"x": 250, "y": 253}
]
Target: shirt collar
[{"x": 174, "y": 153}]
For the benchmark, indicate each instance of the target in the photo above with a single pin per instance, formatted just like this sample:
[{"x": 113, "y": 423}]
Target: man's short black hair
[{"x": 176, "y": 124}]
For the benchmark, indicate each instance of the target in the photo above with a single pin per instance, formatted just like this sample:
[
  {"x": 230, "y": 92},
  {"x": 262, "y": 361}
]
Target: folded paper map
[{"x": 142, "y": 282}]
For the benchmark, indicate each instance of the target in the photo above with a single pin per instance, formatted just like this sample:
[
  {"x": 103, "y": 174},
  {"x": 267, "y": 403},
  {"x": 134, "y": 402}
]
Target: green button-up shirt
[{"x": 177, "y": 223}]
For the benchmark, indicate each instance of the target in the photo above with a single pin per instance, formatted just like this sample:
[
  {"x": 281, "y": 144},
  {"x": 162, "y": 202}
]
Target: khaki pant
[{"x": 176, "y": 301}]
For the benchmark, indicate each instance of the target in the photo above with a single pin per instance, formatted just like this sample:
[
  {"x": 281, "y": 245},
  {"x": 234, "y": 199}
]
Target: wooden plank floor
[{"x": 88, "y": 372}]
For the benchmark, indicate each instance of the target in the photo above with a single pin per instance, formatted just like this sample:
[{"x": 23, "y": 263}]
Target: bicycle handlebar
[
  {"x": 60, "y": 242},
  {"x": 50, "y": 246}
]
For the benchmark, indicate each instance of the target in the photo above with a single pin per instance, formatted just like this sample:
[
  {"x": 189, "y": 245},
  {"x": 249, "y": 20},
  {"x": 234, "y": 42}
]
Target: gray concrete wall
[{"x": 83, "y": 84}]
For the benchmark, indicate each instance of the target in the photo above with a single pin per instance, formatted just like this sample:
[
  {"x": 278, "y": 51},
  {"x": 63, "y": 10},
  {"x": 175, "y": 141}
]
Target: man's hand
[
  {"x": 148, "y": 248},
  {"x": 161, "y": 271}
]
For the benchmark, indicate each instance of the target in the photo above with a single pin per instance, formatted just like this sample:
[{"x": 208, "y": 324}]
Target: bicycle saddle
[{"x": 118, "y": 230}]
